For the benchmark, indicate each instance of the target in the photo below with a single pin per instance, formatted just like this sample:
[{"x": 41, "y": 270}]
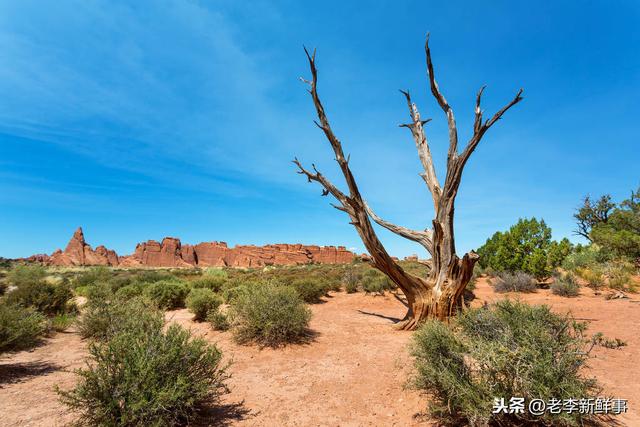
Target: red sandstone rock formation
[
  {"x": 171, "y": 253},
  {"x": 165, "y": 254},
  {"x": 40, "y": 258},
  {"x": 78, "y": 252},
  {"x": 208, "y": 254}
]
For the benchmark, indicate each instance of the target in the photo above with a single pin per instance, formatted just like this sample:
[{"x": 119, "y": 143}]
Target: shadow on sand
[
  {"x": 368, "y": 313},
  {"x": 11, "y": 373},
  {"x": 222, "y": 415}
]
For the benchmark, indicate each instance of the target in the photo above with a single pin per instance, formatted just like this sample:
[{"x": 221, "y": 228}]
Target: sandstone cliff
[
  {"x": 171, "y": 253},
  {"x": 78, "y": 252}
]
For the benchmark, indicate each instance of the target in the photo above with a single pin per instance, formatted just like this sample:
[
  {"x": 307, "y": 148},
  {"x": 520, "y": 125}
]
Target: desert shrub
[
  {"x": 61, "y": 322},
  {"x": 621, "y": 281},
  {"x": 92, "y": 276},
  {"x": 152, "y": 276},
  {"x": 26, "y": 274},
  {"x": 508, "y": 349},
  {"x": 103, "y": 318},
  {"x": 20, "y": 328},
  {"x": 215, "y": 272},
  {"x": 527, "y": 247},
  {"x": 514, "y": 282},
  {"x": 219, "y": 320},
  {"x": 209, "y": 281},
  {"x": 619, "y": 275},
  {"x": 565, "y": 286},
  {"x": 376, "y": 283},
  {"x": 166, "y": 294},
  {"x": 98, "y": 292},
  {"x": 129, "y": 291},
  {"x": 583, "y": 257},
  {"x": 232, "y": 293},
  {"x": 311, "y": 291},
  {"x": 46, "y": 298},
  {"x": 145, "y": 376},
  {"x": 82, "y": 291},
  {"x": 330, "y": 283},
  {"x": 201, "y": 301},
  {"x": 351, "y": 279},
  {"x": 612, "y": 343},
  {"x": 593, "y": 276},
  {"x": 270, "y": 315},
  {"x": 119, "y": 282},
  {"x": 416, "y": 268}
]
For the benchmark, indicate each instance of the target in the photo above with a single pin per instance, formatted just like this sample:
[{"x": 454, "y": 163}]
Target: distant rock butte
[
  {"x": 172, "y": 253},
  {"x": 78, "y": 252}
]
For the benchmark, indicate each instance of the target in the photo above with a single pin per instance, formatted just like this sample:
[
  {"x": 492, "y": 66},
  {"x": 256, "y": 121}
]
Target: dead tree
[{"x": 440, "y": 294}]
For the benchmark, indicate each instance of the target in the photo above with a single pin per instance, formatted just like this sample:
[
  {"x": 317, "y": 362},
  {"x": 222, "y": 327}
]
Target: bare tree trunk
[{"x": 440, "y": 294}]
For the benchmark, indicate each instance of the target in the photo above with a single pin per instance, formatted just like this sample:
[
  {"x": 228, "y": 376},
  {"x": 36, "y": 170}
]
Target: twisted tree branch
[
  {"x": 481, "y": 129},
  {"x": 424, "y": 238},
  {"x": 417, "y": 131},
  {"x": 435, "y": 90},
  {"x": 353, "y": 204}
]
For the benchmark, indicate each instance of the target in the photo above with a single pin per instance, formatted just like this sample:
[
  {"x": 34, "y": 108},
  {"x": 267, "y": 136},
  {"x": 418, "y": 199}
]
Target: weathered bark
[{"x": 440, "y": 294}]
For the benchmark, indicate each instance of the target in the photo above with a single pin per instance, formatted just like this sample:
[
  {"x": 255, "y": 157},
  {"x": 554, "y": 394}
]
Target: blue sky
[{"x": 138, "y": 120}]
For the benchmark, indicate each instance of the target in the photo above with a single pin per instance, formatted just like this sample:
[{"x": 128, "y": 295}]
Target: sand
[{"x": 353, "y": 373}]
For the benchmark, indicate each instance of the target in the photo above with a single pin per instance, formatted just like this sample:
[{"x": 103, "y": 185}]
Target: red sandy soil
[{"x": 353, "y": 373}]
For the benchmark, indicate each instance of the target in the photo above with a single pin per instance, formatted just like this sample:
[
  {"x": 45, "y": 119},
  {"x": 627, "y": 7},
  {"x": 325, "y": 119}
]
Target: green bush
[
  {"x": 507, "y": 350},
  {"x": 219, "y": 321},
  {"x": 61, "y": 322},
  {"x": 46, "y": 298},
  {"x": 612, "y": 343},
  {"x": 107, "y": 316},
  {"x": 214, "y": 282},
  {"x": 20, "y": 328},
  {"x": 152, "y": 276},
  {"x": 351, "y": 280},
  {"x": 330, "y": 284},
  {"x": 92, "y": 276},
  {"x": 514, "y": 282},
  {"x": 216, "y": 272},
  {"x": 527, "y": 247},
  {"x": 82, "y": 291},
  {"x": 26, "y": 274},
  {"x": 167, "y": 295},
  {"x": 593, "y": 276},
  {"x": 201, "y": 301},
  {"x": 119, "y": 282},
  {"x": 144, "y": 376},
  {"x": 376, "y": 284},
  {"x": 621, "y": 281},
  {"x": 619, "y": 274},
  {"x": 311, "y": 291},
  {"x": 565, "y": 286},
  {"x": 129, "y": 291},
  {"x": 232, "y": 293},
  {"x": 98, "y": 292},
  {"x": 583, "y": 257},
  {"x": 270, "y": 315}
]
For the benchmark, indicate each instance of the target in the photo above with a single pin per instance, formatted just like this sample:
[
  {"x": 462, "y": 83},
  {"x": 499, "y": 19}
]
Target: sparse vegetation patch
[{"x": 509, "y": 349}]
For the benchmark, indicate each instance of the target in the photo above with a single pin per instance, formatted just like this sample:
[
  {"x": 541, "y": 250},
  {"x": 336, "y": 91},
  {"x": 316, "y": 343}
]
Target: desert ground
[{"x": 353, "y": 372}]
